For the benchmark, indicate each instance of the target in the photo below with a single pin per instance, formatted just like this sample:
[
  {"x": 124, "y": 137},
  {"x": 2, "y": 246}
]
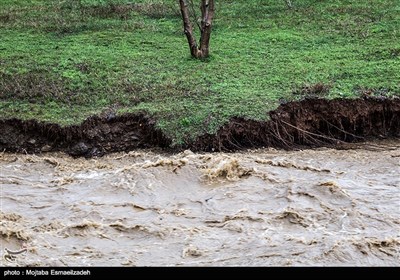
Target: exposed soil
[
  {"x": 310, "y": 122},
  {"x": 94, "y": 137}
]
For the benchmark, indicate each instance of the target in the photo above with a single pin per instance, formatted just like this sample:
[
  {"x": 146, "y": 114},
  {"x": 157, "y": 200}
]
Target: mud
[
  {"x": 94, "y": 137},
  {"x": 259, "y": 207},
  {"x": 307, "y": 123}
]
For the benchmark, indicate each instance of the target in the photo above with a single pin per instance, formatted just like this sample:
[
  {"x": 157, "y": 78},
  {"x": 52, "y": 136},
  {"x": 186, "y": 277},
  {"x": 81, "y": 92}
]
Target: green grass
[{"x": 62, "y": 61}]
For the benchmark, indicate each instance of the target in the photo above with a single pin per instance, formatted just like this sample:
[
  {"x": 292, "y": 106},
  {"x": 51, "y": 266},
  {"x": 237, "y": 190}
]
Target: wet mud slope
[
  {"x": 261, "y": 207},
  {"x": 311, "y": 122}
]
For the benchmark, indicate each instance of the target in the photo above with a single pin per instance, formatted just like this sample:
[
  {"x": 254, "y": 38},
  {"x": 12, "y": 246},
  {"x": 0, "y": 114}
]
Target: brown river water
[{"x": 266, "y": 207}]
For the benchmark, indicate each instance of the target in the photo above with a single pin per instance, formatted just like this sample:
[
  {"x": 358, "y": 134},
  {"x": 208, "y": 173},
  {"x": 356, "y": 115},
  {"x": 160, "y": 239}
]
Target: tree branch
[
  {"x": 188, "y": 29},
  {"x": 207, "y": 14},
  {"x": 195, "y": 18}
]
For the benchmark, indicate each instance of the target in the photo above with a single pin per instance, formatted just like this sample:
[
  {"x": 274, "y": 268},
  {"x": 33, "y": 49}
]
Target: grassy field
[{"x": 62, "y": 61}]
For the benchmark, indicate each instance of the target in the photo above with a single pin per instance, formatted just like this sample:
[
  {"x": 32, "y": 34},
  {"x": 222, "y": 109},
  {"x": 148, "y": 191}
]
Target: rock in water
[
  {"x": 79, "y": 149},
  {"x": 46, "y": 148}
]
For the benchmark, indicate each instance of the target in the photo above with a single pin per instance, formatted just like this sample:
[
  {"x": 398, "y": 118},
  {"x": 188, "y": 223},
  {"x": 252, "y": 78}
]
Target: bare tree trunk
[
  {"x": 207, "y": 13},
  {"x": 188, "y": 28}
]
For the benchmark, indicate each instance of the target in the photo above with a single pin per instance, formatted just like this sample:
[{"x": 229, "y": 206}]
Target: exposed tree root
[{"x": 311, "y": 122}]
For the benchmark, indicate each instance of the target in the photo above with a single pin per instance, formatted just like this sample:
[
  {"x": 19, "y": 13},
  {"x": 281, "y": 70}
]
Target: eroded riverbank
[{"x": 311, "y": 122}]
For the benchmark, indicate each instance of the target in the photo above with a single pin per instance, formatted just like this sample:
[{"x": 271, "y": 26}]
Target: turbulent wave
[{"x": 257, "y": 207}]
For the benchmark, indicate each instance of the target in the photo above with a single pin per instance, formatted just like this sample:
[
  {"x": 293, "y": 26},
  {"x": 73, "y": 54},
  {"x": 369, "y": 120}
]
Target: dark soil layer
[
  {"x": 95, "y": 136},
  {"x": 310, "y": 122}
]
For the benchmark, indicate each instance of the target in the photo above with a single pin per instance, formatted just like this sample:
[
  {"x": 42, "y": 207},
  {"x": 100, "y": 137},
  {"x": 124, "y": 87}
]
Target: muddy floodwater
[{"x": 328, "y": 207}]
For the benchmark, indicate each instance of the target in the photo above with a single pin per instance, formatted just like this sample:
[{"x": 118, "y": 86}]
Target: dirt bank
[{"x": 310, "y": 122}]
